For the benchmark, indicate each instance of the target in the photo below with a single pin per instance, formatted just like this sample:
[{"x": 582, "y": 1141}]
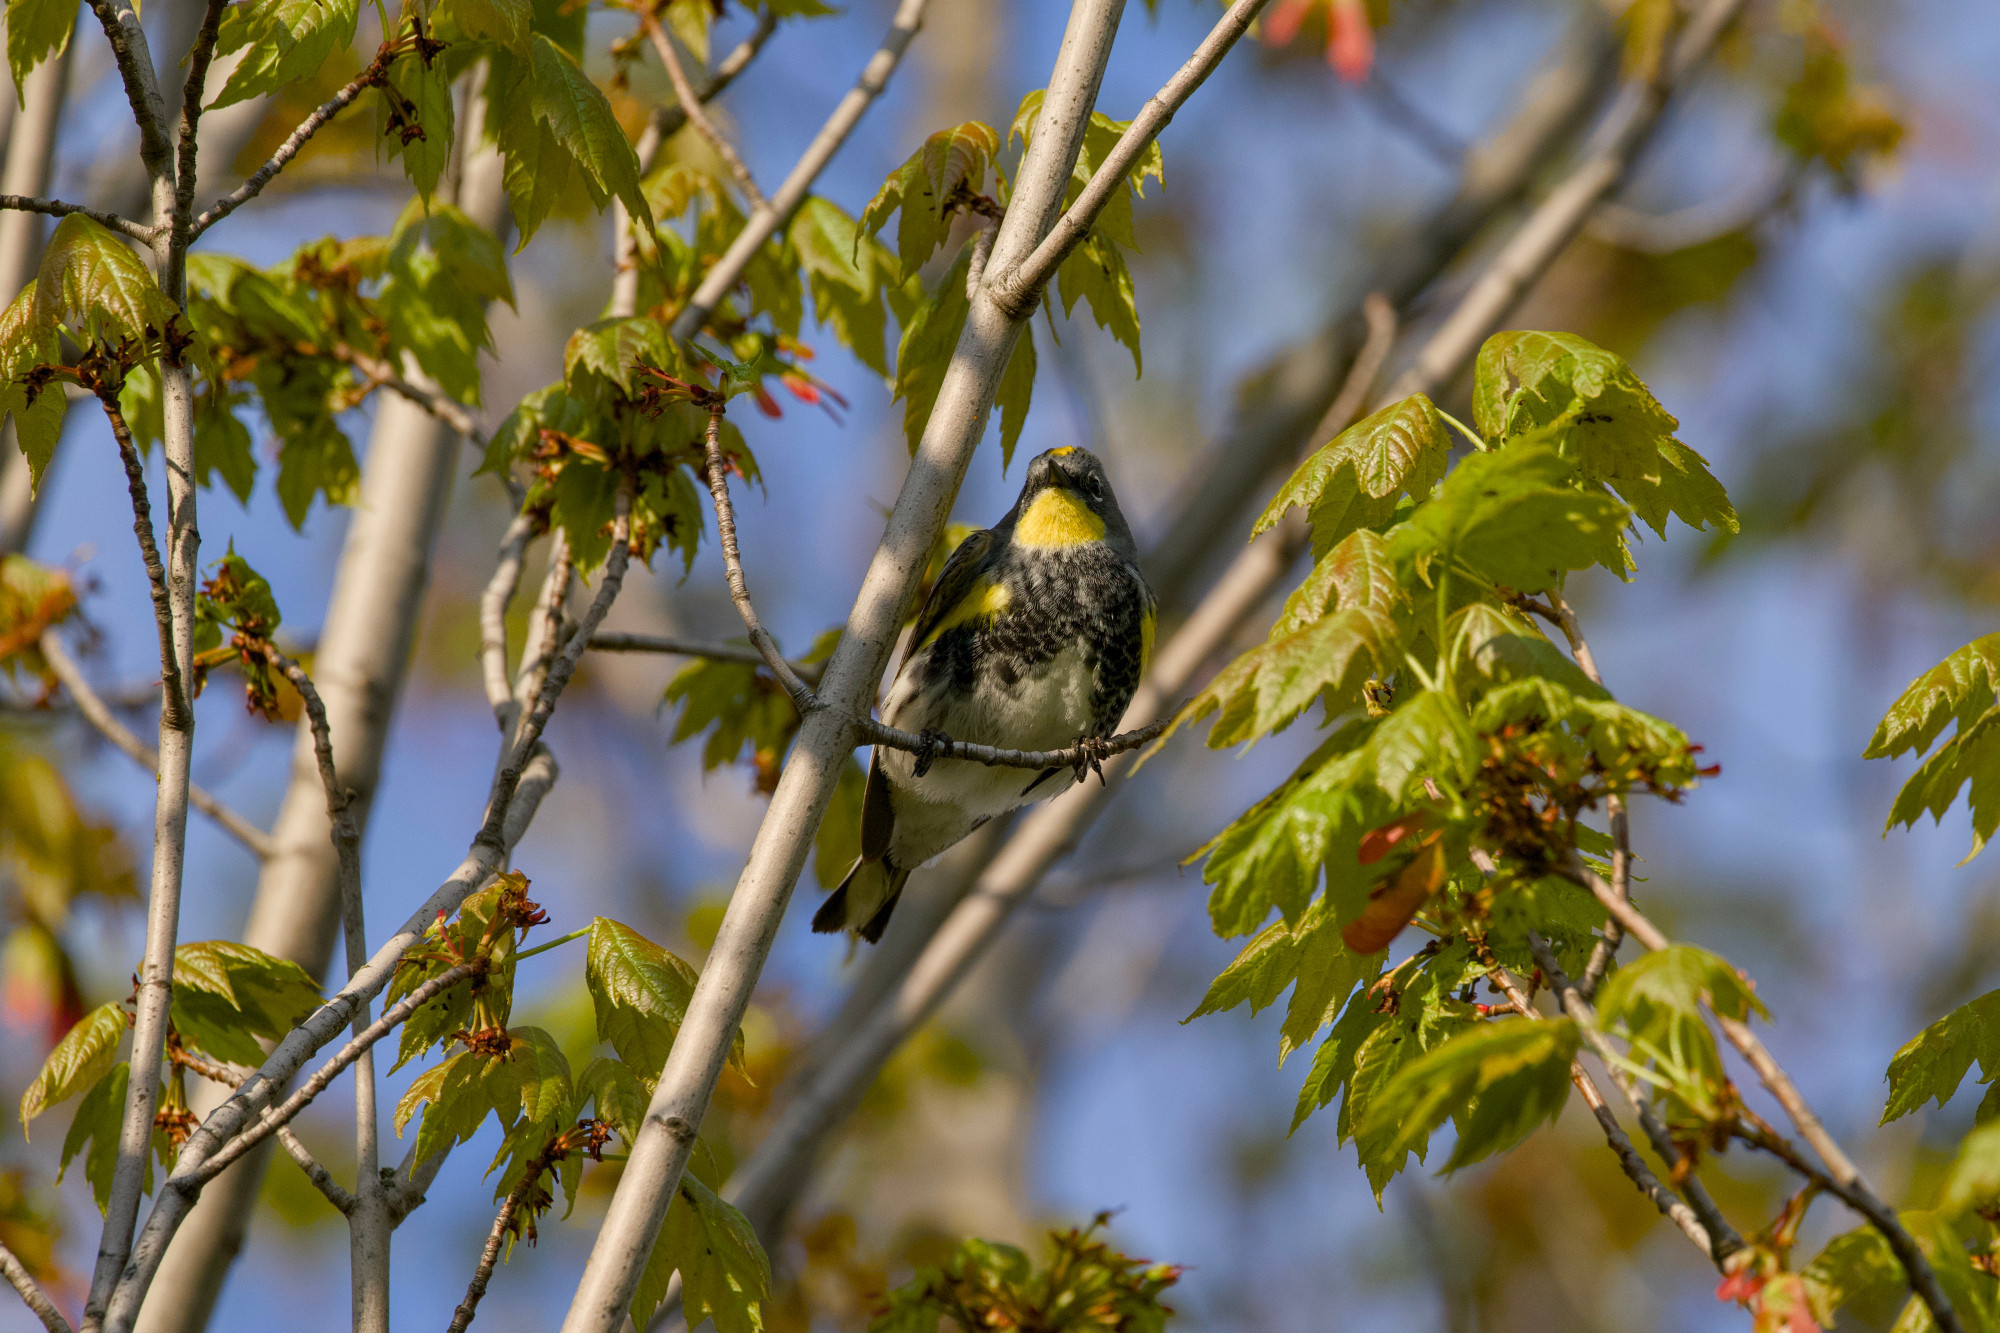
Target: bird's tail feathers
[{"x": 863, "y": 901}]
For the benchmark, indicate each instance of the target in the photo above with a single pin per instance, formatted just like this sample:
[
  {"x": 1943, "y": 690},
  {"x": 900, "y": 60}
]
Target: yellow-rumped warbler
[{"x": 1034, "y": 638}]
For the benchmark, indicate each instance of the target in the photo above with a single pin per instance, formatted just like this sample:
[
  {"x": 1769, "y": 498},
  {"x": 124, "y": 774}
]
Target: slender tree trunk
[
  {"x": 31, "y": 143},
  {"x": 363, "y": 657}
]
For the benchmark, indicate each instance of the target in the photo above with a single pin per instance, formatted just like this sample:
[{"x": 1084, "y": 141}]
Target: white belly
[{"x": 1049, "y": 709}]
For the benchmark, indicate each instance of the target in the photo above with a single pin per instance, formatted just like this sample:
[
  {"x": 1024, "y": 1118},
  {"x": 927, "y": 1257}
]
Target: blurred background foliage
[{"x": 1805, "y": 269}]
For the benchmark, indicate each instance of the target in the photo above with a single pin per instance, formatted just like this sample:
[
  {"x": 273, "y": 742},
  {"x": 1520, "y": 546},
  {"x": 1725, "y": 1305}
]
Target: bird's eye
[{"x": 1095, "y": 485}]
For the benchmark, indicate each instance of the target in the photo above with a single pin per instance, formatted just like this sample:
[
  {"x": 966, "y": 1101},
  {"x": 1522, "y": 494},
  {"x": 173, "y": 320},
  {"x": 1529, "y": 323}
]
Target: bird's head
[{"x": 1066, "y": 500}]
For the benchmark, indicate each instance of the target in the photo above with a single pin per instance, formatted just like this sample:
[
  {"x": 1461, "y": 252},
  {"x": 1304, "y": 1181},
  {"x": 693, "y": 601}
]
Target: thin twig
[
  {"x": 1671, "y": 1206},
  {"x": 31, "y": 1291},
  {"x": 616, "y": 641},
  {"x": 274, "y": 1118},
  {"x": 175, "y": 712},
  {"x": 1016, "y": 292},
  {"x": 198, "y": 58},
  {"x": 322, "y": 1179},
  {"x": 373, "y": 75},
  {"x": 529, "y": 733},
  {"x": 764, "y": 222},
  {"x": 368, "y": 1214},
  {"x": 382, "y": 374},
  {"x": 665, "y": 122},
  {"x": 691, "y": 107},
  {"x": 339, "y": 798},
  {"x": 489, "y": 1255},
  {"x": 1724, "y": 1239},
  {"x": 1843, "y": 1177},
  {"x": 732, "y": 559},
  {"x": 553, "y": 1151},
  {"x": 493, "y": 600},
  {"x": 1086, "y": 753},
  {"x": 99, "y": 715},
  {"x": 56, "y": 208}
]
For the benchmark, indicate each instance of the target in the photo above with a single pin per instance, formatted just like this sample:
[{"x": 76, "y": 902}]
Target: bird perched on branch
[{"x": 1033, "y": 638}]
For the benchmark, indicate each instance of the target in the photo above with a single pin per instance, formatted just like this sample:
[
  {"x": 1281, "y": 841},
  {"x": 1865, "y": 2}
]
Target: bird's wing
[{"x": 955, "y": 582}]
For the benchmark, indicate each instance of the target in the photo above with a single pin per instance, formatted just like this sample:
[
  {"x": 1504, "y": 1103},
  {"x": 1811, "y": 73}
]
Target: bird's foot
[
  {"x": 930, "y": 738},
  {"x": 1092, "y": 751}
]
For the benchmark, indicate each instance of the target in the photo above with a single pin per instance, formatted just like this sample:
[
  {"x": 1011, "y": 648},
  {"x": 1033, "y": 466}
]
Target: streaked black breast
[{"x": 1084, "y": 595}]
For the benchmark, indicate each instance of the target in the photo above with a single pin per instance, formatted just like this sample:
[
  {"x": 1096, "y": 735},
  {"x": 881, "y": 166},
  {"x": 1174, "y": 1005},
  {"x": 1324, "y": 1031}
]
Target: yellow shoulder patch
[
  {"x": 1148, "y": 622},
  {"x": 1058, "y": 518},
  {"x": 985, "y": 600}
]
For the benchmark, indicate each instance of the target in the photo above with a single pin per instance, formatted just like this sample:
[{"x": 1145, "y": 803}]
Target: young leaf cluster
[{"x": 1463, "y": 751}]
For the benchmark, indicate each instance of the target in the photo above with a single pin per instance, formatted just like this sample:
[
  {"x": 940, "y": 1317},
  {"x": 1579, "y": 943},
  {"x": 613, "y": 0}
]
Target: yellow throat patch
[{"x": 1056, "y": 518}]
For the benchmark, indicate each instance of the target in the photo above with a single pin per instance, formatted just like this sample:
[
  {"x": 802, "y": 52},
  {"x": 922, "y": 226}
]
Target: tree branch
[
  {"x": 529, "y": 733},
  {"x": 175, "y": 712},
  {"x": 957, "y": 420},
  {"x": 1671, "y": 1206},
  {"x": 368, "y": 1222},
  {"x": 475, "y": 1291},
  {"x": 224, "y": 1076},
  {"x": 674, "y": 645},
  {"x": 372, "y": 76},
  {"x": 222, "y": 1137},
  {"x": 544, "y": 635},
  {"x": 99, "y": 715},
  {"x": 1017, "y": 289},
  {"x": 272, "y": 1119},
  {"x": 1284, "y": 403},
  {"x": 764, "y": 222},
  {"x": 31, "y": 1291},
  {"x": 732, "y": 559},
  {"x": 1842, "y": 1171},
  {"x": 134, "y": 59},
  {"x": 493, "y": 602},
  {"x": 663, "y": 124},
  {"x": 489, "y": 1255},
  {"x": 1723, "y": 1238},
  {"x": 691, "y": 108},
  {"x": 198, "y": 57},
  {"x": 433, "y": 400},
  {"x": 363, "y": 658},
  {"x": 322, "y": 1179},
  {"x": 56, "y": 208}
]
